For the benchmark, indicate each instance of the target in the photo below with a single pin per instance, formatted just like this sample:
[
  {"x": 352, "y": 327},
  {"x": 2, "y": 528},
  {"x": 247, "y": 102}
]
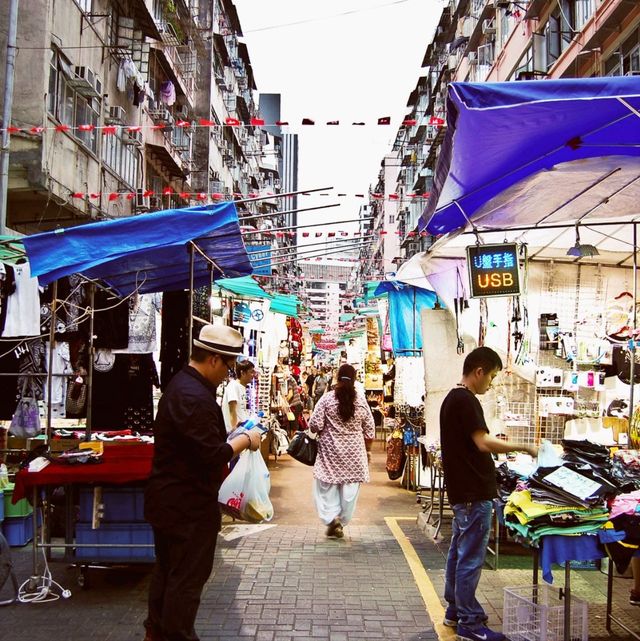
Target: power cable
[{"x": 321, "y": 18}]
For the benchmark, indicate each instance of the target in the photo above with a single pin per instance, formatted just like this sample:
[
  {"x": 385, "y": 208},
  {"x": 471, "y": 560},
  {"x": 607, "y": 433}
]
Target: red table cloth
[{"x": 120, "y": 464}]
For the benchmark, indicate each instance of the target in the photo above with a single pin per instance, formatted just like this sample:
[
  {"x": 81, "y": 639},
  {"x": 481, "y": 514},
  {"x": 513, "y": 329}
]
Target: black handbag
[{"x": 303, "y": 448}]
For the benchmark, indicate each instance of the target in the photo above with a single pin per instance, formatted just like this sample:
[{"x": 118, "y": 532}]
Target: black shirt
[
  {"x": 190, "y": 453},
  {"x": 469, "y": 474}
]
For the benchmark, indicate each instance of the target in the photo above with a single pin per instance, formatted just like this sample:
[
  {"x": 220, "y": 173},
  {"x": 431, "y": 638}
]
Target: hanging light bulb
[{"x": 582, "y": 251}]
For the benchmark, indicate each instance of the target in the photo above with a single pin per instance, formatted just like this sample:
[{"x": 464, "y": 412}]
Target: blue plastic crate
[
  {"x": 109, "y": 533},
  {"x": 18, "y": 530},
  {"x": 120, "y": 505}
]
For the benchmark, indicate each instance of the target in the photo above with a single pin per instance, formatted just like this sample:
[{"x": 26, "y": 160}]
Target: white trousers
[{"x": 335, "y": 500}]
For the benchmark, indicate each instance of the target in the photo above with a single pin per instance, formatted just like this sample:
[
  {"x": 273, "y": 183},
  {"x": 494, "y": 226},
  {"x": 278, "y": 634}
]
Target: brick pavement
[
  {"x": 279, "y": 584},
  {"x": 289, "y": 582}
]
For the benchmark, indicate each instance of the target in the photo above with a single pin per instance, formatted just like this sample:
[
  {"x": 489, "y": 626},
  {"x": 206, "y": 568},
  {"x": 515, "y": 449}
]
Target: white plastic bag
[{"x": 245, "y": 492}]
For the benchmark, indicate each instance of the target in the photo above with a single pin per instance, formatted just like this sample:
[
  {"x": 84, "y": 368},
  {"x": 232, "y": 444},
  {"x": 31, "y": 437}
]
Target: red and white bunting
[{"x": 110, "y": 130}]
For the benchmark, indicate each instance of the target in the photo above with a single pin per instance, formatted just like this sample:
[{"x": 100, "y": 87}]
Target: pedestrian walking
[
  {"x": 181, "y": 499},
  {"x": 344, "y": 425},
  {"x": 470, "y": 479}
]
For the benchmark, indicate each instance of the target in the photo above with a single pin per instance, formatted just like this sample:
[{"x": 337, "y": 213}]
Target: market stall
[
  {"x": 167, "y": 250},
  {"x": 537, "y": 258}
]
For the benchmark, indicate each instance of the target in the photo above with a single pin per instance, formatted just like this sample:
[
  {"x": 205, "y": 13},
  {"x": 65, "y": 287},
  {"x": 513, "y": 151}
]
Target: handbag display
[
  {"x": 25, "y": 422},
  {"x": 396, "y": 456},
  {"x": 76, "y": 399},
  {"x": 303, "y": 448}
]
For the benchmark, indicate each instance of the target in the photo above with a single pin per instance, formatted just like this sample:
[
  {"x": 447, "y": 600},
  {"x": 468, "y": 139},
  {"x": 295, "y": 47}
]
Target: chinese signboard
[
  {"x": 493, "y": 270},
  {"x": 260, "y": 256}
]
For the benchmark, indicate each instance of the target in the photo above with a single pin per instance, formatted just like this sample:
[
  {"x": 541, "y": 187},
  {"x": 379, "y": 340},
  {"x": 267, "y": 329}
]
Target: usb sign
[{"x": 493, "y": 270}]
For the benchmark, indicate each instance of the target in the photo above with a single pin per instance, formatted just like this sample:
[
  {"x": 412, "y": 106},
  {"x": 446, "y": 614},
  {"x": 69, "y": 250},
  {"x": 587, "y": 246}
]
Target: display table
[
  {"x": 120, "y": 464},
  {"x": 564, "y": 549}
]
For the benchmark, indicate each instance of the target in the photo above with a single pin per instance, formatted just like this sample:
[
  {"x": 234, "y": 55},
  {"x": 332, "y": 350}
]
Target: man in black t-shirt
[{"x": 470, "y": 478}]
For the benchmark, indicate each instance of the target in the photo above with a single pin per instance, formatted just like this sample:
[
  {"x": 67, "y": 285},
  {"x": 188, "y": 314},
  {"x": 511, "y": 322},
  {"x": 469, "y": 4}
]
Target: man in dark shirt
[
  {"x": 181, "y": 499},
  {"x": 470, "y": 478}
]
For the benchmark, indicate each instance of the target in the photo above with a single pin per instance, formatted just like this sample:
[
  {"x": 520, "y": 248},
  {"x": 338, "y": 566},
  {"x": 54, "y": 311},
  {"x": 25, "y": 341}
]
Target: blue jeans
[{"x": 467, "y": 551}]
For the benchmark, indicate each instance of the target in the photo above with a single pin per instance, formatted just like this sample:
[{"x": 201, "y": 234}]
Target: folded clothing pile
[{"x": 529, "y": 520}]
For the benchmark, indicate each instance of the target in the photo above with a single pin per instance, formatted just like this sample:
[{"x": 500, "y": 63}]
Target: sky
[{"x": 346, "y": 60}]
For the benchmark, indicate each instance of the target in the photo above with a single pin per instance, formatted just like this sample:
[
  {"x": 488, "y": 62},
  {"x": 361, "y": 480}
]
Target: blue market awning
[
  {"x": 147, "y": 252},
  {"x": 536, "y": 153},
  {"x": 244, "y": 286}
]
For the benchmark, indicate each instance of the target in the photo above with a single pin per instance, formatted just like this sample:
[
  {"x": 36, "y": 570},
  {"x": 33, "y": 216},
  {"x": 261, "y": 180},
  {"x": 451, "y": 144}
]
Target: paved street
[{"x": 287, "y": 581}]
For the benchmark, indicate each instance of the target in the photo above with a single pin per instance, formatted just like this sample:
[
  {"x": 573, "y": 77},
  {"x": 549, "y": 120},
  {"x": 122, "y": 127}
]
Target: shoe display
[
  {"x": 479, "y": 634},
  {"x": 634, "y": 597}
]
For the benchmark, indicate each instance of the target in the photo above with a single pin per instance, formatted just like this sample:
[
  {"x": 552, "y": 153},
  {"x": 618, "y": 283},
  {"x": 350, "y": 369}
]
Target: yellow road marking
[{"x": 420, "y": 576}]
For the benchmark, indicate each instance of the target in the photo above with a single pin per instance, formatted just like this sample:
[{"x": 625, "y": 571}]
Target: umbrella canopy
[
  {"x": 537, "y": 153},
  {"x": 147, "y": 253}
]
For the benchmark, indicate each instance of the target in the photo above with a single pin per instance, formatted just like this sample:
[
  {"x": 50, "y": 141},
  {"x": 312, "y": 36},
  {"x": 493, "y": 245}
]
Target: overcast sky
[{"x": 347, "y": 60}]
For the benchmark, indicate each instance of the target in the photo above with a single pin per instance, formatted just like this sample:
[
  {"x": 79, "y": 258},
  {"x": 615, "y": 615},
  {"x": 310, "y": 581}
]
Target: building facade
[
  {"x": 503, "y": 41},
  {"x": 127, "y": 106}
]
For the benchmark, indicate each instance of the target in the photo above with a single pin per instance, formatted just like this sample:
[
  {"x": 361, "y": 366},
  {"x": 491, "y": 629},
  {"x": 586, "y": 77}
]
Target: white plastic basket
[{"x": 536, "y": 613}]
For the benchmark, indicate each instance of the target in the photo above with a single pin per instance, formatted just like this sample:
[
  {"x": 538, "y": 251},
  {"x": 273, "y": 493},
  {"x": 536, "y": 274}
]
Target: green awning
[
  {"x": 285, "y": 304},
  {"x": 11, "y": 249},
  {"x": 370, "y": 289},
  {"x": 367, "y": 311},
  {"x": 345, "y": 318},
  {"x": 316, "y": 331},
  {"x": 243, "y": 286}
]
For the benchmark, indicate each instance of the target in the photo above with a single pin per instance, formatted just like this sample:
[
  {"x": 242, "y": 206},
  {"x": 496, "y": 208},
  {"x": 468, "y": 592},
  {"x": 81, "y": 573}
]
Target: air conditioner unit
[
  {"x": 489, "y": 27},
  {"x": 221, "y": 81},
  {"x": 453, "y": 61},
  {"x": 230, "y": 102},
  {"x": 133, "y": 138},
  {"x": 85, "y": 82},
  {"x": 142, "y": 201},
  {"x": 473, "y": 58},
  {"x": 115, "y": 116},
  {"x": 160, "y": 115}
]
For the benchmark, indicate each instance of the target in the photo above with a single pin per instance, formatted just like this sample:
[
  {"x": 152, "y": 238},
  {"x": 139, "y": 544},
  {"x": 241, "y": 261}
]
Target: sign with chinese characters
[
  {"x": 493, "y": 270},
  {"x": 260, "y": 257}
]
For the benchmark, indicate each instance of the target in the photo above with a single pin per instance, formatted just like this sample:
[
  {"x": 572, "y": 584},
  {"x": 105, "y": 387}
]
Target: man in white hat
[{"x": 181, "y": 499}]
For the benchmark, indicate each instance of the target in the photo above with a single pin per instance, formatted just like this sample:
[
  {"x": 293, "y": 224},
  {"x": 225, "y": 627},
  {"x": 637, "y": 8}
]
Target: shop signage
[
  {"x": 260, "y": 256},
  {"x": 493, "y": 270}
]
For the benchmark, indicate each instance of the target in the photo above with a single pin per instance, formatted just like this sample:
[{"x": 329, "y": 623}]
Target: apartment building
[
  {"x": 327, "y": 283},
  {"x": 120, "y": 105},
  {"x": 504, "y": 41}
]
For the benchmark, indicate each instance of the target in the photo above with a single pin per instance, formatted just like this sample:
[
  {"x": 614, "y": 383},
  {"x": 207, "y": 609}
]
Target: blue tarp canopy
[
  {"x": 147, "y": 252},
  {"x": 536, "y": 153}
]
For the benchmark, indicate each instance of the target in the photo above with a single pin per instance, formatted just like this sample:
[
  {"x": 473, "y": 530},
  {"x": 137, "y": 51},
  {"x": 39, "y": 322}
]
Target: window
[
  {"x": 121, "y": 158},
  {"x": 85, "y": 5},
  {"x": 68, "y": 106},
  {"x": 392, "y": 220}
]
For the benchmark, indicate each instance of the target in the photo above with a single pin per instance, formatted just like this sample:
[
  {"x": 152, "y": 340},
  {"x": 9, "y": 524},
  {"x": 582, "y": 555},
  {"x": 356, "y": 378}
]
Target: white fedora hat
[{"x": 220, "y": 339}]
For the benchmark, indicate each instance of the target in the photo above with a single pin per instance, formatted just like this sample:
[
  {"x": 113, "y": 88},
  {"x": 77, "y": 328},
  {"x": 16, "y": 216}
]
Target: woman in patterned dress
[{"x": 344, "y": 424}]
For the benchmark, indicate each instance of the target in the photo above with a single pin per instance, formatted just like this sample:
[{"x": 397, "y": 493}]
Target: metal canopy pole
[
  {"x": 92, "y": 303},
  {"x": 635, "y": 321},
  {"x": 52, "y": 334},
  {"x": 191, "y": 267}
]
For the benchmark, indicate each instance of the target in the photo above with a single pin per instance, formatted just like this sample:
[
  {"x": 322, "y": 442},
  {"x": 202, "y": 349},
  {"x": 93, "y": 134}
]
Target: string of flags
[
  {"x": 201, "y": 196},
  {"x": 112, "y": 130},
  {"x": 335, "y": 234}
]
